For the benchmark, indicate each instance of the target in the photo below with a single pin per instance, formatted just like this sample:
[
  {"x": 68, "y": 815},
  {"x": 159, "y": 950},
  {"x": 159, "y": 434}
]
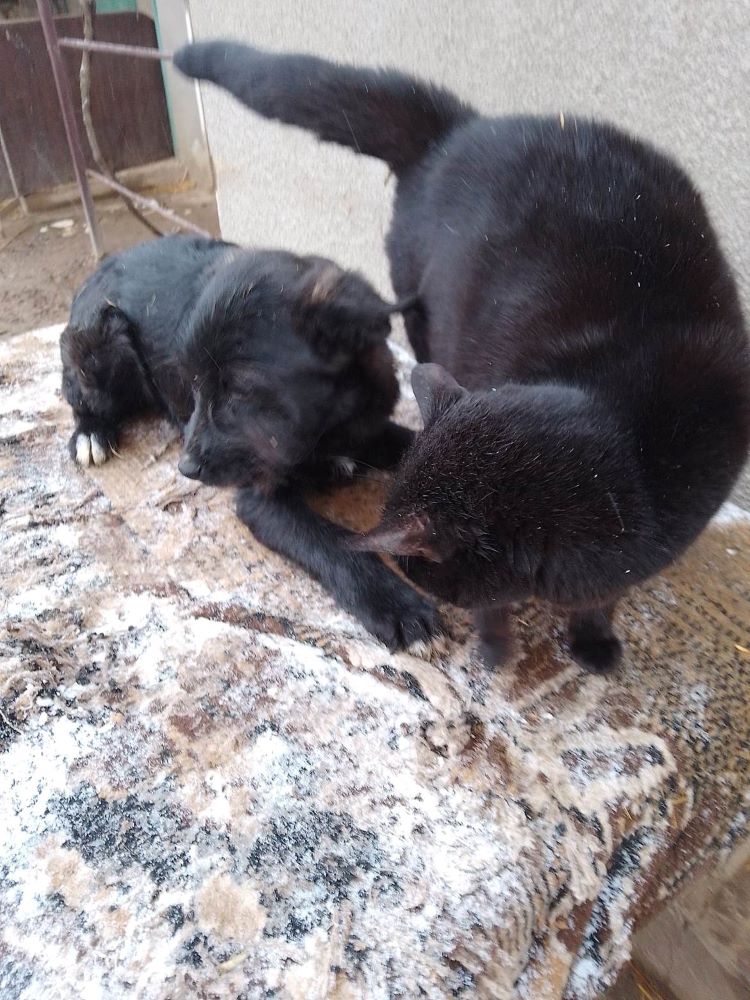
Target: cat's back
[
  {"x": 515, "y": 170},
  {"x": 533, "y": 229},
  {"x": 564, "y": 250}
]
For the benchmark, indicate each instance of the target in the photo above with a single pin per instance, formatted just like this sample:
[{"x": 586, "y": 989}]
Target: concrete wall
[
  {"x": 183, "y": 97},
  {"x": 674, "y": 71}
]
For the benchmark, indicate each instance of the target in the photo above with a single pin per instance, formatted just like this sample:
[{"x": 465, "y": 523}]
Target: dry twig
[{"x": 87, "y": 7}]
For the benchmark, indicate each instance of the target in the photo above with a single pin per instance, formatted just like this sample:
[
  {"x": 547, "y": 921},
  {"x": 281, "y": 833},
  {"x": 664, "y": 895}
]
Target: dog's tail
[{"x": 380, "y": 113}]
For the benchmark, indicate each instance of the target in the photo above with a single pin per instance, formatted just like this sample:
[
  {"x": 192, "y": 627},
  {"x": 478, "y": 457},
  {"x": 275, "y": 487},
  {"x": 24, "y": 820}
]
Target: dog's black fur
[
  {"x": 570, "y": 279},
  {"x": 277, "y": 371}
]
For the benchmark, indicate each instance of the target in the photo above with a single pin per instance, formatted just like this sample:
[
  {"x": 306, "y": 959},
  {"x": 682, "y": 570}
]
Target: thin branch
[
  {"x": 141, "y": 51},
  {"x": 149, "y": 203},
  {"x": 88, "y": 123}
]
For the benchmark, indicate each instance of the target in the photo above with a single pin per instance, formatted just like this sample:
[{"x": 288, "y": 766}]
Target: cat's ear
[
  {"x": 434, "y": 389},
  {"x": 338, "y": 312},
  {"x": 409, "y": 536}
]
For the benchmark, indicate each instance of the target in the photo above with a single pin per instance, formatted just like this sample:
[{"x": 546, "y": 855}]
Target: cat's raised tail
[{"x": 380, "y": 113}]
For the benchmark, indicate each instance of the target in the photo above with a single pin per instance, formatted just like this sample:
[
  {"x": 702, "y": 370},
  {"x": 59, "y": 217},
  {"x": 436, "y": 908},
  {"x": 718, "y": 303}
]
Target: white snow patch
[
  {"x": 730, "y": 513},
  {"x": 33, "y": 397},
  {"x": 15, "y": 426}
]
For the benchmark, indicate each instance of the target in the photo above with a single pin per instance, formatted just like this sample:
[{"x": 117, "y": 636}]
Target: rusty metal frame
[{"x": 54, "y": 43}]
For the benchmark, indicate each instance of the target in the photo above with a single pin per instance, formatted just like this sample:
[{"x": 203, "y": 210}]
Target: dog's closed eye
[
  {"x": 244, "y": 381},
  {"x": 234, "y": 395}
]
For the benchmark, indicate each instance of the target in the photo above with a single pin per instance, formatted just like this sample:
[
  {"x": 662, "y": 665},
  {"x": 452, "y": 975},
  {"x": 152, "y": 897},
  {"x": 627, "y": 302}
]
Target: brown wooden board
[{"x": 127, "y": 101}]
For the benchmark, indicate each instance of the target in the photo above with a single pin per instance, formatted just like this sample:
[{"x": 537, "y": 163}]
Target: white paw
[
  {"x": 343, "y": 466},
  {"x": 98, "y": 450},
  {"x": 90, "y": 448}
]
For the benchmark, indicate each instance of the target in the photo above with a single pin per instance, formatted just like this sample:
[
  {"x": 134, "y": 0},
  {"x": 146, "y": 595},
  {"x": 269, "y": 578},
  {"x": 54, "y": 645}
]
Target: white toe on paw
[
  {"x": 83, "y": 450},
  {"x": 344, "y": 466},
  {"x": 98, "y": 451},
  {"x": 89, "y": 448}
]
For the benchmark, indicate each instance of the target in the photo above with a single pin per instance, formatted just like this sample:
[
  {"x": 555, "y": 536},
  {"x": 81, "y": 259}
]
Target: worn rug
[{"x": 214, "y": 783}]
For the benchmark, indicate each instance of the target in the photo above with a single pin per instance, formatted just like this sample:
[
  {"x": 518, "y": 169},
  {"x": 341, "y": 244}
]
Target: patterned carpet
[{"x": 216, "y": 784}]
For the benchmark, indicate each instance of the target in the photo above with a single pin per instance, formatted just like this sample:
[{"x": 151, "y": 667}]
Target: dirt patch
[{"x": 42, "y": 264}]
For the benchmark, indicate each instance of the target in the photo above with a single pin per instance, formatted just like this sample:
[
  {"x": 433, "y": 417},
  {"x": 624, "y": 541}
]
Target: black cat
[
  {"x": 277, "y": 371},
  {"x": 598, "y": 407}
]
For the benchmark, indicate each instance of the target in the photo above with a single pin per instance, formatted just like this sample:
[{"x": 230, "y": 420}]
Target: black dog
[
  {"x": 277, "y": 371},
  {"x": 570, "y": 279}
]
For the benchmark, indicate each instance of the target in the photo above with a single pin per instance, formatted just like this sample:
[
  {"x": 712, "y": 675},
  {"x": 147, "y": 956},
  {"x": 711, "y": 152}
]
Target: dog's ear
[
  {"x": 339, "y": 313},
  {"x": 103, "y": 345},
  {"x": 435, "y": 390},
  {"x": 413, "y": 535},
  {"x": 115, "y": 325}
]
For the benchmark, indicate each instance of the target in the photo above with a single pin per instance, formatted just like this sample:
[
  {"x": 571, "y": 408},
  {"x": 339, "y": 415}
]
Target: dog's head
[{"x": 268, "y": 353}]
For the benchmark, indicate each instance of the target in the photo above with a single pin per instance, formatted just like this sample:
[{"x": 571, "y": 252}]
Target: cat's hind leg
[{"x": 593, "y": 643}]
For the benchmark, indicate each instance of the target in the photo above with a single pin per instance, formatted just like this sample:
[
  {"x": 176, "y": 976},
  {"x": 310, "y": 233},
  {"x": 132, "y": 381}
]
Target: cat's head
[{"x": 505, "y": 494}]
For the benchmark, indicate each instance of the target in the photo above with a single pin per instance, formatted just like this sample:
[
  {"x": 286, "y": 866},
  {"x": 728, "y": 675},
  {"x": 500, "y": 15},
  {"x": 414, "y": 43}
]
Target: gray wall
[
  {"x": 674, "y": 71},
  {"x": 183, "y": 97}
]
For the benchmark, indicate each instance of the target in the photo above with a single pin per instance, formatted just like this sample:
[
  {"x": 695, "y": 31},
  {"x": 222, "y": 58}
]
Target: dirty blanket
[{"x": 215, "y": 783}]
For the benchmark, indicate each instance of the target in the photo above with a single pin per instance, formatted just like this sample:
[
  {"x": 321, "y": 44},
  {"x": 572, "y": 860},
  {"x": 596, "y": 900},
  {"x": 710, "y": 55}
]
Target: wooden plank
[{"x": 127, "y": 97}]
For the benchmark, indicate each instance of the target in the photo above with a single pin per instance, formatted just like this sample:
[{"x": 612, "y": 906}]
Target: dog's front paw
[
  {"x": 398, "y": 616},
  {"x": 88, "y": 449}
]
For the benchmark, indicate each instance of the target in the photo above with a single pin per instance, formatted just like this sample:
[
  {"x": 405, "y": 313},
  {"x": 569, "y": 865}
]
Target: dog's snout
[{"x": 189, "y": 466}]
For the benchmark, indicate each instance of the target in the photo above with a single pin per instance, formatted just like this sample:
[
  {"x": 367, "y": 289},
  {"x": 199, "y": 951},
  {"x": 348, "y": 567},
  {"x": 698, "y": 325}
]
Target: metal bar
[
  {"x": 9, "y": 167},
  {"x": 149, "y": 203},
  {"x": 140, "y": 51},
  {"x": 69, "y": 121}
]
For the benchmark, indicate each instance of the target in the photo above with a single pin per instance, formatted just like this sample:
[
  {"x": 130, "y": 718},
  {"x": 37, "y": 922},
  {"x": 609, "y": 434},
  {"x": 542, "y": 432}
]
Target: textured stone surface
[{"x": 216, "y": 784}]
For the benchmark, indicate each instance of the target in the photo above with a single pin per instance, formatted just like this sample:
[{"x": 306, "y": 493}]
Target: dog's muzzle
[{"x": 189, "y": 467}]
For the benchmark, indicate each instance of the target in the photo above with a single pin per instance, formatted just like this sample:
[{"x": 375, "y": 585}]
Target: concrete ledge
[{"x": 164, "y": 175}]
